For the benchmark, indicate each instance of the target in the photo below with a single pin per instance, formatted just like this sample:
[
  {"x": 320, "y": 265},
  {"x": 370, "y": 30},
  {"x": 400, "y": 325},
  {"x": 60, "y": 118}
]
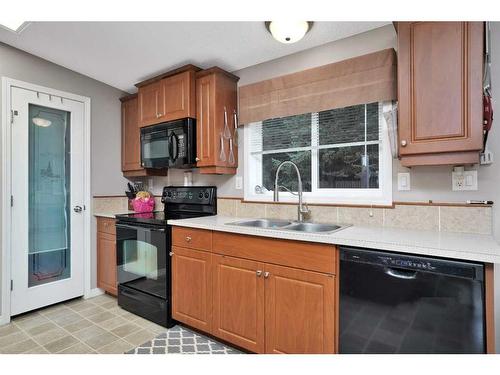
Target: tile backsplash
[
  {"x": 421, "y": 217},
  {"x": 443, "y": 218}
]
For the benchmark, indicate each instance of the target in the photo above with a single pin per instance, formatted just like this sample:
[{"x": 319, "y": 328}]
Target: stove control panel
[{"x": 189, "y": 194}]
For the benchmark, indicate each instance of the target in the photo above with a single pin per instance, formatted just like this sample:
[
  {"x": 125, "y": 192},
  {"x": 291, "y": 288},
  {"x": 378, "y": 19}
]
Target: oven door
[
  {"x": 142, "y": 258},
  {"x": 155, "y": 147}
]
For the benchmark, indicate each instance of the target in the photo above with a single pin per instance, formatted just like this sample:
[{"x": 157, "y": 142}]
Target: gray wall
[{"x": 105, "y": 116}]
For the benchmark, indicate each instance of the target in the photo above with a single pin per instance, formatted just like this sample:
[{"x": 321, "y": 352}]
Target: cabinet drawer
[
  {"x": 192, "y": 238},
  {"x": 297, "y": 254},
  {"x": 106, "y": 225}
]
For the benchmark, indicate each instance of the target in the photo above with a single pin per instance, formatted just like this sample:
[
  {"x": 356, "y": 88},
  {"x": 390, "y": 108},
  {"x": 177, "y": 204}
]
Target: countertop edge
[
  {"x": 111, "y": 215},
  {"x": 339, "y": 239}
]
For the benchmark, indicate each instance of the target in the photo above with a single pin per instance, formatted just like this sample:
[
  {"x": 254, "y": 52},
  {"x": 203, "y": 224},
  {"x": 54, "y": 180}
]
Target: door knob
[
  {"x": 403, "y": 143},
  {"x": 258, "y": 272},
  {"x": 197, "y": 159},
  {"x": 266, "y": 275},
  {"x": 77, "y": 209}
]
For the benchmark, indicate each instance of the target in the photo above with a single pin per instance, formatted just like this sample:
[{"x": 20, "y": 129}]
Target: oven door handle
[{"x": 140, "y": 227}]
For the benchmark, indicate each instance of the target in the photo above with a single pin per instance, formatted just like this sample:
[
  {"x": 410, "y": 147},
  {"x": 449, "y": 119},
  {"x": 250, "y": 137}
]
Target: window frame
[{"x": 366, "y": 196}]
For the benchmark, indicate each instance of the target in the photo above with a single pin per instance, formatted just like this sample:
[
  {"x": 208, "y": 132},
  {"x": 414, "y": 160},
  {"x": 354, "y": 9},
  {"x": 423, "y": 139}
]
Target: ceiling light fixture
[
  {"x": 288, "y": 31},
  {"x": 13, "y": 25}
]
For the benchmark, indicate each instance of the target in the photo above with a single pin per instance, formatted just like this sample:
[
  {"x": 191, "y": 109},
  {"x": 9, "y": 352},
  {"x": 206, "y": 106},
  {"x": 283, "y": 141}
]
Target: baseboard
[
  {"x": 4, "y": 319},
  {"x": 93, "y": 293}
]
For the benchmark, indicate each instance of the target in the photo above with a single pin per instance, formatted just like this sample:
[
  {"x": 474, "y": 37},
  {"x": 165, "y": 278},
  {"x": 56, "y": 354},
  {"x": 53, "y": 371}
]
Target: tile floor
[{"x": 79, "y": 326}]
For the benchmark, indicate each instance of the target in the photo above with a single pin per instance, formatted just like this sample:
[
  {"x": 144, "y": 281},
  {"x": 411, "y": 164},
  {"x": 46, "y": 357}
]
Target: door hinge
[
  {"x": 12, "y": 114},
  {"x": 12, "y": 201},
  {"x": 11, "y": 285}
]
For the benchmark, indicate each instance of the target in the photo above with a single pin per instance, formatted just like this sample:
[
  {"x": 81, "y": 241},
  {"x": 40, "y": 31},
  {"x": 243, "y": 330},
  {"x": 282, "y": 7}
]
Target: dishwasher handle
[{"x": 400, "y": 274}]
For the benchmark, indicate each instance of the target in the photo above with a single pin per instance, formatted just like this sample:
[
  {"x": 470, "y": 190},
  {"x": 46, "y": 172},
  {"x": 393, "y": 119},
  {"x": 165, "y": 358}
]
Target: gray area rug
[{"x": 180, "y": 340}]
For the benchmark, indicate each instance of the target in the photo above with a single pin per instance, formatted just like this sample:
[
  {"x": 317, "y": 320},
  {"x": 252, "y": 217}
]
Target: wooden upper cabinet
[
  {"x": 131, "y": 137},
  {"x": 216, "y": 102},
  {"x": 151, "y": 104},
  {"x": 131, "y": 141},
  {"x": 178, "y": 94},
  {"x": 300, "y": 311},
  {"x": 170, "y": 96},
  {"x": 440, "y": 67},
  {"x": 238, "y": 311},
  {"x": 192, "y": 288}
]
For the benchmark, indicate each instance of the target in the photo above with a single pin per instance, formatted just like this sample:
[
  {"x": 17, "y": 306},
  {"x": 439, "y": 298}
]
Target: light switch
[
  {"x": 238, "y": 183},
  {"x": 404, "y": 181}
]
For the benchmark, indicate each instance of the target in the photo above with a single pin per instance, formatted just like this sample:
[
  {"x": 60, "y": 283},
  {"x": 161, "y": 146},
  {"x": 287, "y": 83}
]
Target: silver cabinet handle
[
  {"x": 188, "y": 239},
  {"x": 77, "y": 209},
  {"x": 266, "y": 275},
  {"x": 403, "y": 143},
  {"x": 259, "y": 272}
]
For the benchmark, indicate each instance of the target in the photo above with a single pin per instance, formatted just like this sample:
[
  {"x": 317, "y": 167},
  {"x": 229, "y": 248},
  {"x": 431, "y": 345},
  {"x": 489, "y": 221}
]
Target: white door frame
[{"x": 5, "y": 256}]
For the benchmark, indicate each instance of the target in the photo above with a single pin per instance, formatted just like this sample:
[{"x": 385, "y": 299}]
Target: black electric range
[{"x": 143, "y": 251}]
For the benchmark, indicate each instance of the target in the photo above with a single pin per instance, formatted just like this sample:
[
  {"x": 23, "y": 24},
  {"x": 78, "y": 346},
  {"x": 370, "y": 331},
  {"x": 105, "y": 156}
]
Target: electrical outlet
[
  {"x": 238, "y": 182},
  {"x": 404, "y": 181},
  {"x": 486, "y": 157},
  {"x": 462, "y": 180}
]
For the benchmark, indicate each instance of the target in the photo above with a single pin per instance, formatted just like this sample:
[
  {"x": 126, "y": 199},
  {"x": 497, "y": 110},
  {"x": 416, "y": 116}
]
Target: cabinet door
[
  {"x": 300, "y": 311},
  {"x": 131, "y": 137},
  {"x": 151, "y": 104},
  {"x": 192, "y": 288},
  {"x": 106, "y": 262},
  {"x": 205, "y": 125},
  {"x": 239, "y": 302},
  {"x": 178, "y": 94},
  {"x": 440, "y": 87}
]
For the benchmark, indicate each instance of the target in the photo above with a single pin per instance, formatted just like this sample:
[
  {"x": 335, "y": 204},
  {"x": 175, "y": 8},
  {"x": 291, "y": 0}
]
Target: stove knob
[
  {"x": 169, "y": 194},
  {"x": 200, "y": 195},
  {"x": 207, "y": 194}
]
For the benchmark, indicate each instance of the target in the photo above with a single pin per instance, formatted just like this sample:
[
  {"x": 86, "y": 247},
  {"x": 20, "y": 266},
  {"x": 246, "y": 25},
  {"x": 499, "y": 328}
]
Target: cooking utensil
[
  {"x": 222, "y": 154},
  {"x": 227, "y": 131},
  {"x": 231, "y": 159}
]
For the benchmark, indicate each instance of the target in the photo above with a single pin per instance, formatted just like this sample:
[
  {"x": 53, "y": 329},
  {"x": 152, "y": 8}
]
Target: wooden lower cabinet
[
  {"x": 192, "y": 287},
  {"x": 253, "y": 303},
  {"x": 300, "y": 311},
  {"x": 106, "y": 256},
  {"x": 238, "y": 304}
]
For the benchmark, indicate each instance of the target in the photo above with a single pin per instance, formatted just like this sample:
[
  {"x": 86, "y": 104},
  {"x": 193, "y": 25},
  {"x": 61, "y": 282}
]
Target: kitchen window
[{"x": 343, "y": 156}]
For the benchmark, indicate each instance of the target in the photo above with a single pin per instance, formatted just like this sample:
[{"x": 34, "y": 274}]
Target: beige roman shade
[{"x": 364, "y": 79}]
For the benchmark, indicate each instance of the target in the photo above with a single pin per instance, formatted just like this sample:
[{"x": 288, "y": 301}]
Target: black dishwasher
[{"x": 398, "y": 303}]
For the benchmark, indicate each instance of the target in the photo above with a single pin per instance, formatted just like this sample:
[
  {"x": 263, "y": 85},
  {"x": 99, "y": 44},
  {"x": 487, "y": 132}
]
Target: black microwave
[{"x": 169, "y": 145}]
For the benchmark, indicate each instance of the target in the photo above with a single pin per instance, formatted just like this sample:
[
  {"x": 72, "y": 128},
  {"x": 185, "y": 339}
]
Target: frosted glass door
[
  {"x": 49, "y": 195},
  {"x": 48, "y": 212}
]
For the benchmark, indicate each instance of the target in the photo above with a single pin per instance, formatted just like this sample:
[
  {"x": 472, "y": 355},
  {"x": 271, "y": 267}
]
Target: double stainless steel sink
[{"x": 290, "y": 225}]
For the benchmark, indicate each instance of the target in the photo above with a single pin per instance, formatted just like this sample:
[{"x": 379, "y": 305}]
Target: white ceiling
[{"x": 124, "y": 53}]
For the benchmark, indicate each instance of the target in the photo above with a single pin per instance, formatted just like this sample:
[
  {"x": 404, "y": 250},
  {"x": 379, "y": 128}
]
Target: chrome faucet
[{"x": 302, "y": 208}]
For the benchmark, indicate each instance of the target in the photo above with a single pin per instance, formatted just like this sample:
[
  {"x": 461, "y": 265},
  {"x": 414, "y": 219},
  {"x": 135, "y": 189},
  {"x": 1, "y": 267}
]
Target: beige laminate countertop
[{"x": 473, "y": 247}]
